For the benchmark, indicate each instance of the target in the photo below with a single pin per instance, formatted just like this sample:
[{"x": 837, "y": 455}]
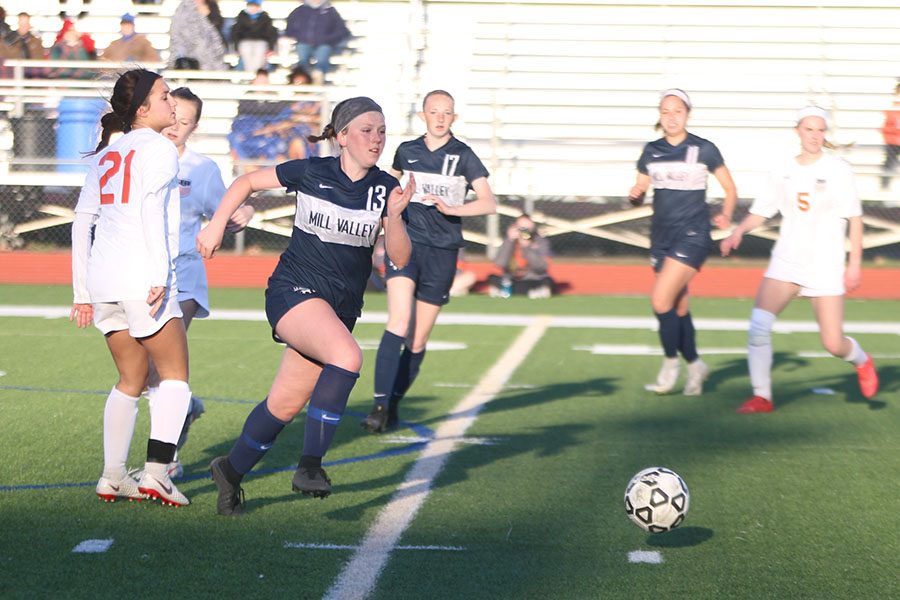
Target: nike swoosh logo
[
  {"x": 656, "y": 155},
  {"x": 114, "y": 488},
  {"x": 265, "y": 446},
  {"x": 166, "y": 489},
  {"x": 325, "y": 187},
  {"x": 680, "y": 255},
  {"x": 329, "y": 419},
  {"x": 412, "y": 160}
]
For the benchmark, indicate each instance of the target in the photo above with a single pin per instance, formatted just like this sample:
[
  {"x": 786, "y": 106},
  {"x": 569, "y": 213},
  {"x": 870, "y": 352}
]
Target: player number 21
[{"x": 115, "y": 163}]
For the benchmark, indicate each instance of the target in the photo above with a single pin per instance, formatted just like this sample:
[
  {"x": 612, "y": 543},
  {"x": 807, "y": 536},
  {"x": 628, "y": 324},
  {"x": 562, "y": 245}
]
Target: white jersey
[
  {"x": 200, "y": 189},
  {"x": 131, "y": 192},
  {"x": 815, "y": 202}
]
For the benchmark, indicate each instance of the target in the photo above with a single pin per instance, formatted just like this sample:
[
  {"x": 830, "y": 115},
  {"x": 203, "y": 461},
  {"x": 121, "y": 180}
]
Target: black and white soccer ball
[{"x": 657, "y": 499}]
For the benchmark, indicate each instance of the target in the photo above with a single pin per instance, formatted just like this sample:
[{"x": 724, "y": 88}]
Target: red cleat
[
  {"x": 756, "y": 404},
  {"x": 868, "y": 378}
]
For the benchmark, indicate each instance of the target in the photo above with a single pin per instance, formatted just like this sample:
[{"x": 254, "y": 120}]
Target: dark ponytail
[{"x": 129, "y": 93}]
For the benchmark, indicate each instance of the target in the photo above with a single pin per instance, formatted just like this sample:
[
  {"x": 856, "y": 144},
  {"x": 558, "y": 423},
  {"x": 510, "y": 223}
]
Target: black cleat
[
  {"x": 312, "y": 481},
  {"x": 377, "y": 420},
  {"x": 230, "y": 502}
]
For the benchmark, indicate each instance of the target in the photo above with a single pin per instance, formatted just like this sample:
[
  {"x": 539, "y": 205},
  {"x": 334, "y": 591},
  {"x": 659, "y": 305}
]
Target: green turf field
[{"x": 527, "y": 503}]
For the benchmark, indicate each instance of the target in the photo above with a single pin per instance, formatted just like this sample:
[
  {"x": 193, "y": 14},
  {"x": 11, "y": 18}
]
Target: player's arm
[
  {"x": 484, "y": 203},
  {"x": 396, "y": 241},
  {"x": 639, "y": 189},
  {"x": 853, "y": 273},
  {"x": 733, "y": 241},
  {"x": 723, "y": 219},
  {"x": 86, "y": 213},
  {"x": 210, "y": 237}
]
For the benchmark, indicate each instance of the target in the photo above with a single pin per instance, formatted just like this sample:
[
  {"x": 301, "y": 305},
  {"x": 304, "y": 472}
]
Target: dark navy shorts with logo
[
  {"x": 690, "y": 248},
  {"x": 432, "y": 269},
  {"x": 281, "y": 297}
]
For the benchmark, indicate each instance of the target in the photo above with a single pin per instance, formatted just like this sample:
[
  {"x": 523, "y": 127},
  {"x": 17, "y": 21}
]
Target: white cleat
[
  {"x": 666, "y": 378},
  {"x": 697, "y": 373},
  {"x": 161, "y": 488},
  {"x": 110, "y": 490}
]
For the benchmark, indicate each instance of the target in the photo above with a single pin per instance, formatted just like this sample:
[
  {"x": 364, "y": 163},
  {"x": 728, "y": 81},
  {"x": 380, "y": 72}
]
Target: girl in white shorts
[
  {"x": 815, "y": 194},
  {"x": 124, "y": 241}
]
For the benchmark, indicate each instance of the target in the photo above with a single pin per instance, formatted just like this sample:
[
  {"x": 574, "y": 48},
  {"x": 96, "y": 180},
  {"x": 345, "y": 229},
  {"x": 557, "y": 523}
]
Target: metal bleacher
[{"x": 557, "y": 98}]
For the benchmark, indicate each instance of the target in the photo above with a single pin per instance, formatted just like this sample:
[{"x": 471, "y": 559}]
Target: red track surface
[{"x": 714, "y": 281}]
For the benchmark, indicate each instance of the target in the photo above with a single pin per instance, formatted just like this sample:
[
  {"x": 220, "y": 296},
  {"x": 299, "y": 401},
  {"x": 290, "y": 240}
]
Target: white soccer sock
[
  {"x": 856, "y": 355},
  {"x": 168, "y": 408},
  {"x": 759, "y": 352},
  {"x": 119, "y": 416}
]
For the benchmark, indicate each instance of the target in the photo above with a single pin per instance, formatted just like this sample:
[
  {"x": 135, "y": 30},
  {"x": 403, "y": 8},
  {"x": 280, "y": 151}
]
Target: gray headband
[{"x": 349, "y": 109}]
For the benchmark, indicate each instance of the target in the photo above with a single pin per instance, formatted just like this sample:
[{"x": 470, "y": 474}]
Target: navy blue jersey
[
  {"x": 335, "y": 227},
  {"x": 679, "y": 174},
  {"x": 448, "y": 173}
]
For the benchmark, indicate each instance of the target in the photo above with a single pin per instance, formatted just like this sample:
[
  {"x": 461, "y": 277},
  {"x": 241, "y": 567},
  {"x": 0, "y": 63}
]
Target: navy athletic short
[
  {"x": 690, "y": 248},
  {"x": 432, "y": 269},
  {"x": 282, "y": 298}
]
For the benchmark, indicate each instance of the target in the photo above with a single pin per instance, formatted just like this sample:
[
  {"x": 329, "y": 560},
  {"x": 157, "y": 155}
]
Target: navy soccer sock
[
  {"x": 387, "y": 363},
  {"x": 688, "y": 341},
  {"x": 259, "y": 433},
  {"x": 326, "y": 407},
  {"x": 410, "y": 363},
  {"x": 669, "y": 332}
]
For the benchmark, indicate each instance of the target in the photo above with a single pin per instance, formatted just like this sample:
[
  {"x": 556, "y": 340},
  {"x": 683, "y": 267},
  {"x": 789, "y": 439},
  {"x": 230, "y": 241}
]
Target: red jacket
[{"x": 891, "y": 128}]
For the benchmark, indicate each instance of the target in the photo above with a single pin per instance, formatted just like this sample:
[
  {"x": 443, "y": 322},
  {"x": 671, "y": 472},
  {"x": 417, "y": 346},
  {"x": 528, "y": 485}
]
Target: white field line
[
  {"x": 93, "y": 546},
  {"x": 315, "y": 546},
  {"x": 360, "y": 574},
  {"x": 645, "y": 556},
  {"x": 581, "y": 322}
]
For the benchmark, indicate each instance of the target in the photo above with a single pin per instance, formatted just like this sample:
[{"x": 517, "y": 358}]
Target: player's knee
[
  {"x": 760, "y": 331},
  {"x": 661, "y": 305},
  {"x": 349, "y": 358},
  {"x": 834, "y": 345}
]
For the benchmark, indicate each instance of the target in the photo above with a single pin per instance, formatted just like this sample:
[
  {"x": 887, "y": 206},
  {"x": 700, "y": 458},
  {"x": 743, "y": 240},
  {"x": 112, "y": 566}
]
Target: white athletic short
[
  {"x": 134, "y": 315},
  {"x": 812, "y": 284}
]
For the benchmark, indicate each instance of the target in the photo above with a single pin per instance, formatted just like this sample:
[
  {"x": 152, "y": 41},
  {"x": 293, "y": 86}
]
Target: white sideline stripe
[
  {"x": 417, "y": 439},
  {"x": 359, "y": 575},
  {"x": 432, "y": 346},
  {"x": 645, "y": 556},
  {"x": 642, "y": 350},
  {"x": 93, "y": 546},
  {"x": 311, "y": 546},
  {"x": 580, "y": 322}
]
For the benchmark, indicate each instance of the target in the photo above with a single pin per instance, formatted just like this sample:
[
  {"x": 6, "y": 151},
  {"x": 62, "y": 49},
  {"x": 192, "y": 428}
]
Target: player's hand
[
  {"x": 722, "y": 221},
  {"x": 442, "y": 207},
  {"x": 209, "y": 240},
  {"x": 852, "y": 277},
  {"x": 82, "y": 314},
  {"x": 732, "y": 242},
  {"x": 240, "y": 219},
  {"x": 155, "y": 299},
  {"x": 399, "y": 198},
  {"x": 636, "y": 196}
]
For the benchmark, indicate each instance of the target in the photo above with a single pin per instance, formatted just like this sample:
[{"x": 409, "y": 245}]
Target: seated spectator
[
  {"x": 267, "y": 131},
  {"x": 86, "y": 40},
  {"x": 22, "y": 43},
  {"x": 320, "y": 32},
  {"x": 299, "y": 76},
  {"x": 254, "y": 36},
  {"x": 71, "y": 46},
  {"x": 524, "y": 258},
  {"x": 131, "y": 47},
  {"x": 196, "y": 40}
]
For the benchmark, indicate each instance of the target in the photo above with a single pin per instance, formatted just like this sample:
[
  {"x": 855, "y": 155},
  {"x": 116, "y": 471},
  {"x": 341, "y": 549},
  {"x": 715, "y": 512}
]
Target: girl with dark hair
[
  {"x": 445, "y": 169},
  {"x": 124, "y": 281},
  {"x": 678, "y": 166},
  {"x": 315, "y": 294}
]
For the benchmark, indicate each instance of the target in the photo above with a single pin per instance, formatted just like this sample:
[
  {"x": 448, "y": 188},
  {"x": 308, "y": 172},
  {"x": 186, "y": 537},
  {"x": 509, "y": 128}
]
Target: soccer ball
[{"x": 657, "y": 499}]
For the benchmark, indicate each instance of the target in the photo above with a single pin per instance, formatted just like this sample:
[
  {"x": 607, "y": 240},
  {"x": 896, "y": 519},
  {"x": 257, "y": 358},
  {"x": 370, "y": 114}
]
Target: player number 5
[{"x": 803, "y": 201}]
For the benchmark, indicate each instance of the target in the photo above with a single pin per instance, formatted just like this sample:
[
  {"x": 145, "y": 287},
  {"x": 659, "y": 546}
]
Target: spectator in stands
[
  {"x": 6, "y": 31},
  {"x": 891, "y": 133},
  {"x": 86, "y": 40},
  {"x": 523, "y": 258},
  {"x": 678, "y": 165},
  {"x": 195, "y": 37},
  {"x": 299, "y": 76},
  {"x": 71, "y": 46},
  {"x": 131, "y": 47},
  {"x": 254, "y": 36},
  {"x": 23, "y": 43},
  {"x": 320, "y": 32}
]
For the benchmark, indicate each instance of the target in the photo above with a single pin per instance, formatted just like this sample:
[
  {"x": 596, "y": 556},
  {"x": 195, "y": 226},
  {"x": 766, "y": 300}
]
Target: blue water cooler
[{"x": 77, "y": 130}]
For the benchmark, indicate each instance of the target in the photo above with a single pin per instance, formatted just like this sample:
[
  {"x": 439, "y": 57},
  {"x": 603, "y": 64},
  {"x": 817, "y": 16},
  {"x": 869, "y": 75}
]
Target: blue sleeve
[
  {"x": 290, "y": 173},
  {"x": 473, "y": 168},
  {"x": 398, "y": 162},
  {"x": 390, "y": 182},
  {"x": 711, "y": 157},
  {"x": 643, "y": 160}
]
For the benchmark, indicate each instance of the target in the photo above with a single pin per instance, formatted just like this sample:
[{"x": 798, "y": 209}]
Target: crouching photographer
[{"x": 524, "y": 257}]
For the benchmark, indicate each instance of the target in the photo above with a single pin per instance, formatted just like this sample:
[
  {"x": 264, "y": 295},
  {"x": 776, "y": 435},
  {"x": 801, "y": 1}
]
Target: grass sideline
[{"x": 794, "y": 504}]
